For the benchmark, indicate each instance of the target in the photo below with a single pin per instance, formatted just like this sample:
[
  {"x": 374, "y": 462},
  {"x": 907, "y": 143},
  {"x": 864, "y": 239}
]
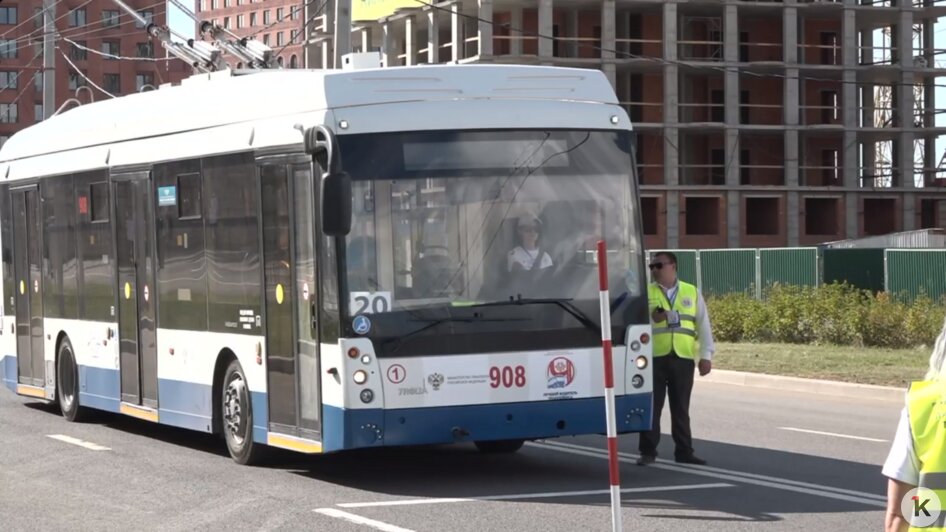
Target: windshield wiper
[
  {"x": 433, "y": 322},
  {"x": 564, "y": 303}
]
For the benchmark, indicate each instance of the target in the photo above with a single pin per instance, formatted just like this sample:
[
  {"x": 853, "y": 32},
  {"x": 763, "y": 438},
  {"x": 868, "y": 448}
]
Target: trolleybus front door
[
  {"x": 292, "y": 366},
  {"x": 28, "y": 273},
  {"x": 134, "y": 244}
]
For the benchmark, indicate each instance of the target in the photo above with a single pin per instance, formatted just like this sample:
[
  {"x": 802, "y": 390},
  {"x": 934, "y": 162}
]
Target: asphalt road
[{"x": 778, "y": 461}]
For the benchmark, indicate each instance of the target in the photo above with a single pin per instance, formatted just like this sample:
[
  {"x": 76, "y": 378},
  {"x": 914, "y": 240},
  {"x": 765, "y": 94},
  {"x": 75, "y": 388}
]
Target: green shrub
[{"x": 836, "y": 314}]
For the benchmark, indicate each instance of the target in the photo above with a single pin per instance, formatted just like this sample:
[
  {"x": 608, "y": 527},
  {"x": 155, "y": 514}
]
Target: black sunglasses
[{"x": 656, "y": 266}]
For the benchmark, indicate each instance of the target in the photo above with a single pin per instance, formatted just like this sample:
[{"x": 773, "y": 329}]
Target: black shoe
[
  {"x": 691, "y": 459},
  {"x": 646, "y": 459}
]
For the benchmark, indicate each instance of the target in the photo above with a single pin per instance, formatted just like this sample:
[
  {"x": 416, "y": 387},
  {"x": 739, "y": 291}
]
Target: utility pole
[
  {"x": 49, "y": 59},
  {"x": 342, "y": 30}
]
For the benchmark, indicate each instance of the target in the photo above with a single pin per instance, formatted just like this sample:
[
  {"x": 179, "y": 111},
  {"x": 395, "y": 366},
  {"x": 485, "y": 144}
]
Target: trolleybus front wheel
[
  {"x": 236, "y": 414},
  {"x": 499, "y": 446},
  {"x": 67, "y": 384}
]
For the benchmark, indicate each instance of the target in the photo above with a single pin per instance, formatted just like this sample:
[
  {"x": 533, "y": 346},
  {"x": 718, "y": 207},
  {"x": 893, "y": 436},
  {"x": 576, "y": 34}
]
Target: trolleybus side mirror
[
  {"x": 335, "y": 191},
  {"x": 336, "y": 204}
]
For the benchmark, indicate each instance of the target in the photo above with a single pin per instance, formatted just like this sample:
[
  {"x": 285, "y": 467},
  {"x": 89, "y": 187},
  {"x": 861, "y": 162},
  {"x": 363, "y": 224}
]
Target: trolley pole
[
  {"x": 49, "y": 59},
  {"x": 609, "y": 409}
]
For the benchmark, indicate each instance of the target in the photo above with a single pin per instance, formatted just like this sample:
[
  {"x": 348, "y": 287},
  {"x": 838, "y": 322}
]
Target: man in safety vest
[
  {"x": 916, "y": 465},
  {"x": 681, "y": 328}
]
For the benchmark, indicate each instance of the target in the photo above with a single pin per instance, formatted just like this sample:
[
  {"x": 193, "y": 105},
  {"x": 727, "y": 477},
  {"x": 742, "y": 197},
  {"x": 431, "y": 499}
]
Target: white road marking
[
  {"x": 869, "y": 499},
  {"x": 835, "y": 434},
  {"x": 359, "y": 520},
  {"x": 75, "y": 441},
  {"x": 516, "y": 496},
  {"x": 677, "y": 467}
]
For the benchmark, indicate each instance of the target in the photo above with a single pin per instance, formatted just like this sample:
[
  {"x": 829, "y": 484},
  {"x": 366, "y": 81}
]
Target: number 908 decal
[{"x": 369, "y": 303}]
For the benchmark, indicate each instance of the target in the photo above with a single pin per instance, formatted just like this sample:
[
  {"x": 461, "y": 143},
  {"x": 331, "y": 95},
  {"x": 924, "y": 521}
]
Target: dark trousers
[{"x": 673, "y": 375}]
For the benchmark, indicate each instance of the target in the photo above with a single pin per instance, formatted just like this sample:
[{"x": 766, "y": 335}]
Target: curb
[{"x": 797, "y": 384}]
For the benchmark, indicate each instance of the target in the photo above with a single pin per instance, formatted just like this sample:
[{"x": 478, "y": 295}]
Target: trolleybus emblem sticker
[
  {"x": 361, "y": 324},
  {"x": 561, "y": 372},
  {"x": 36, "y": 285},
  {"x": 146, "y": 293},
  {"x": 435, "y": 380},
  {"x": 397, "y": 374},
  {"x": 279, "y": 294},
  {"x": 305, "y": 291}
]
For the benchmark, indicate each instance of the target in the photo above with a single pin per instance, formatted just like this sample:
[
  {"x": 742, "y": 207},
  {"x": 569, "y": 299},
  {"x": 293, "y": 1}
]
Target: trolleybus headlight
[
  {"x": 354, "y": 352},
  {"x": 645, "y": 338},
  {"x": 641, "y": 362},
  {"x": 367, "y": 396},
  {"x": 635, "y": 345},
  {"x": 366, "y": 359},
  {"x": 360, "y": 377},
  {"x": 637, "y": 381}
]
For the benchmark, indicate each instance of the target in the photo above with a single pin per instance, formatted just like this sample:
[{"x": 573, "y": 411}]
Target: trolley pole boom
[{"x": 202, "y": 56}]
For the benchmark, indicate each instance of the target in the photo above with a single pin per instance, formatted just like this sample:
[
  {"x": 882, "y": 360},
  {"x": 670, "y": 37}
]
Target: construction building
[
  {"x": 760, "y": 123},
  {"x": 97, "y": 45}
]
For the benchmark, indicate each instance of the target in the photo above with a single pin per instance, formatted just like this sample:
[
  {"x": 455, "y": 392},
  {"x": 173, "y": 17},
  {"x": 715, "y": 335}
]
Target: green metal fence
[
  {"x": 911, "y": 273},
  {"x": 904, "y": 273},
  {"x": 862, "y": 268},
  {"x": 794, "y": 266},
  {"x": 726, "y": 271}
]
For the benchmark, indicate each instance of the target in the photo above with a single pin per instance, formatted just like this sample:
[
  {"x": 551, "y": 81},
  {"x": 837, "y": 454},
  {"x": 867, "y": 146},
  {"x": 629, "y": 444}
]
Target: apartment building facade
[
  {"x": 105, "y": 46},
  {"x": 760, "y": 123}
]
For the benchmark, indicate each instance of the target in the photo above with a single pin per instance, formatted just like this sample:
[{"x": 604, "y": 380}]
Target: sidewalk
[{"x": 796, "y": 384}]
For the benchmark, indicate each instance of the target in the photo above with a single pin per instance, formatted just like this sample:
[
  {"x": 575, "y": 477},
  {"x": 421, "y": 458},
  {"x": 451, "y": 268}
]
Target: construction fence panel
[
  {"x": 686, "y": 264},
  {"x": 860, "y": 268},
  {"x": 727, "y": 271},
  {"x": 788, "y": 266},
  {"x": 911, "y": 273}
]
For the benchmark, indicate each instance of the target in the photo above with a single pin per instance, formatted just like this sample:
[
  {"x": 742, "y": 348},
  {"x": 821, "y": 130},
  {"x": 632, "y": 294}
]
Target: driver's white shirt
[{"x": 527, "y": 258}]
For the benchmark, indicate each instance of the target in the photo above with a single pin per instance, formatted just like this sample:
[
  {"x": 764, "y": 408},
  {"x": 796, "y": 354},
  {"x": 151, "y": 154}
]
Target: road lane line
[
  {"x": 359, "y": 520},
  {"x": 756, "y": 476},
  {"x": 75, "y": 441},
  {"x": 835, "y": 434},
  {"x": 868, "y": 499},
  {"x": 518, "y": 496}
]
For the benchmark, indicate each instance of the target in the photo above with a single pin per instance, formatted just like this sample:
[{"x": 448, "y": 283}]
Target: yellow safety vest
[
  {"x": 926, "y": 404},
  {"x": 682, "y": 338}
]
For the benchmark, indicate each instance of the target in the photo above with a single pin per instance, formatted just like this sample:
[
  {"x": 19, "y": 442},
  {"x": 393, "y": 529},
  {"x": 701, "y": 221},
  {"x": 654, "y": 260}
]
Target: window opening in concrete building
[
  {"x": 929, "y": 213},
  {"x": 718, "y": 160},
  {"x": 762, "y": 216},
  {"x": 829, "y": 106},
  {"x": 702, "y": 216},
  {"x": 821, "y": 216},
  {"x": 649, "y": 214},
  {"x": 830, "y": 171},
  {"x": 743, "y": 46},
  {"x": 744, "y": 103},
  {"x": 829, "y": 48},
  {"x": 718, "y": 109},
  {"x": 880, "y": 216},
  {"x": 555, "y": 43},
  {"x": 636, "y": 31},
  {"x": 637, "y": 97},
  {"x": 745, "y": 172}
]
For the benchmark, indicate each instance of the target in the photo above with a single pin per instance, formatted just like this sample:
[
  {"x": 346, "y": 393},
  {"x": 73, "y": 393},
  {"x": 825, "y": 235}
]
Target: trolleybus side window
[
  {"x": 59, "y": 248},
  {"x": 94, "y": 243},
  {"x": 6, "y": 241},
  {"x": 182, "y": 262}
]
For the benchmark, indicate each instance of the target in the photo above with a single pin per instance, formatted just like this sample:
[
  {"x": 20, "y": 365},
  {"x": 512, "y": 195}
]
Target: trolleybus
[{"x": 331, "y": 260}]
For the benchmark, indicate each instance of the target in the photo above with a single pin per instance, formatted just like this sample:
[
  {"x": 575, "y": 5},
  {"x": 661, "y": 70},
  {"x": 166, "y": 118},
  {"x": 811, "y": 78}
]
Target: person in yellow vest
[
  {"x": 681, "y": 334},
  {"x": 916, "y": 465}
]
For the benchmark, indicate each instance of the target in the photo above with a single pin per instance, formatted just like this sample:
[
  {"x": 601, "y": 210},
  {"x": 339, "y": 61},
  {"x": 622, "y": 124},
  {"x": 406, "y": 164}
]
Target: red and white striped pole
[{"x": 609, "y": 413}]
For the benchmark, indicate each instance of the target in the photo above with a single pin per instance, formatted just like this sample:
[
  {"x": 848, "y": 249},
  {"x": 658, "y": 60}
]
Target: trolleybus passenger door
[
  {"x": 28, "y": 274},
  {"x": 134, "y": 246},
  {"x": 288, "y": 240}
]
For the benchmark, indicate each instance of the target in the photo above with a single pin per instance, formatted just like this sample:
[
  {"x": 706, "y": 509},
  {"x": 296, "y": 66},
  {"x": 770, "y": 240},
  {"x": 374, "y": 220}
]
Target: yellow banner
[{"x": 377, "y": 9}]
